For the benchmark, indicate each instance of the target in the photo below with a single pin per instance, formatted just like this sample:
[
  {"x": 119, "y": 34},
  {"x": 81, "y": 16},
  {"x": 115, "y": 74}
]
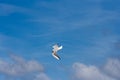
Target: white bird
[{"x": 54, "y": 51}]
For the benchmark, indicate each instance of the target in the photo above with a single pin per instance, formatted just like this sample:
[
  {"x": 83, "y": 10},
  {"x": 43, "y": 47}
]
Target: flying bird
[{"x": 54, "y": 51}]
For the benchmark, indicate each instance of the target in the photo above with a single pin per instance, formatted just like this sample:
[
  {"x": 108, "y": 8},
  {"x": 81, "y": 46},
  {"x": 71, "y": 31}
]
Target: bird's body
[{"x": 54, "y": 51}]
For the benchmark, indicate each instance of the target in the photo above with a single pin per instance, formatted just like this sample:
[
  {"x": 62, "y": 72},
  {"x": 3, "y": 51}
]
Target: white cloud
[
  {"x": 19, "y": 68},
  {"x": 84, "y": 72},
  {"x": 112, "y": 68},
  {"x": 110, "y": 71},
  {"x": 42, "y": 76}
]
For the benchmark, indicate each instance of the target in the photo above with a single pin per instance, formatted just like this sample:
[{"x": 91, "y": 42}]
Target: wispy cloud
[
  {"x": 79, "y": 11},
  {"x": 91, "y": 72},
  {"x": 7, "y": 41},
  {"x": 101, "y": 47},
  {"x": 62, "y": 17},
  {"x": 8, "y": 9},
  {"x": 94, "y": 48}
]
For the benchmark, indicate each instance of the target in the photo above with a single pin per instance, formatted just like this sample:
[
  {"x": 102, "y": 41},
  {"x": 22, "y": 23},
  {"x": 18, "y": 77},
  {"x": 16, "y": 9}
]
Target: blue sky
[{"x": 88, "y": 30}]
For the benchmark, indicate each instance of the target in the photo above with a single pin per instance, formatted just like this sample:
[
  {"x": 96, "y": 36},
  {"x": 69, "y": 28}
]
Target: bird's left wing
[{"x": 60, "y": 47}]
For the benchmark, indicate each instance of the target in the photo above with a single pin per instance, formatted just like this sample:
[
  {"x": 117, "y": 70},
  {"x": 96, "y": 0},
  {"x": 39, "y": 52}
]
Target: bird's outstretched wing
[
  {"x": 59, "y": 48},
  {"x": 55, "y": 55}
]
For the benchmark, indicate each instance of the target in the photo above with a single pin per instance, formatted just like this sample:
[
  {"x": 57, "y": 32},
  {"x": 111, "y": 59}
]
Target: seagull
[{"x": 54, "y": 51}]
